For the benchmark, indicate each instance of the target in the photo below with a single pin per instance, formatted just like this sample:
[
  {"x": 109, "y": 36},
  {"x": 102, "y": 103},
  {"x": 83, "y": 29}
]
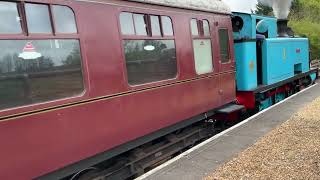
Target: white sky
[{"x": 241, "y": 5}]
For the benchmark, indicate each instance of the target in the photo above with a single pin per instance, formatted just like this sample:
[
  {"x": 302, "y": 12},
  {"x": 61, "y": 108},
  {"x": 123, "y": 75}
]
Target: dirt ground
[{"x": 291, "y": 151}]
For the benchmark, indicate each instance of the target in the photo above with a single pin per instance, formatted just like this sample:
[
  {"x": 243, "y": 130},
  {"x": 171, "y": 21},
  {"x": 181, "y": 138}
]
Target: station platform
[{"x": 202, "y": 160}]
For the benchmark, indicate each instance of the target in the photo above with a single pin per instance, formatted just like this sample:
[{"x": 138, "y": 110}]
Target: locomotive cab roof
[
  {"x": 253, "y": 14},
  {"x": 217, "y": 6}
]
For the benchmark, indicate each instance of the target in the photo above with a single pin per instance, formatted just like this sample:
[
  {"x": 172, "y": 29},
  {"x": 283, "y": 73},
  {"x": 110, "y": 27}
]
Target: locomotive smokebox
[{"x": 283, "y": 27}]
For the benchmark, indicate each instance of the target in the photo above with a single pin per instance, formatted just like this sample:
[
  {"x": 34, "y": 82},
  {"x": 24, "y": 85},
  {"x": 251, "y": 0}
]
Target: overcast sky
[{"x": 241, "y": 5}]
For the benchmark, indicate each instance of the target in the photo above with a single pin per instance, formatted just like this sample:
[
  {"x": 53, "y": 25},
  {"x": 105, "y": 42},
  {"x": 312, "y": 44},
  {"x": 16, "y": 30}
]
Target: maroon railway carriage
[{"x": 87, "y": 80}]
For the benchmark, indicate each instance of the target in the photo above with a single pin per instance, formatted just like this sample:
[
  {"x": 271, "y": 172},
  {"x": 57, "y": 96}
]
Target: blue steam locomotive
[{"x": 272, "y": 63}]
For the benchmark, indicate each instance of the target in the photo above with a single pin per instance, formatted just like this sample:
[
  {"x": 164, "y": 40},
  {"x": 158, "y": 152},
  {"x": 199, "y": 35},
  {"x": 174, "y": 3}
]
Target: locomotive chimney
[{"x": 282, "y": 27}]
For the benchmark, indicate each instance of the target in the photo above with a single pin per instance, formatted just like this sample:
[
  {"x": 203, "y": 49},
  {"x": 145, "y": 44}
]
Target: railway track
[{"x": 148, "y": 156}]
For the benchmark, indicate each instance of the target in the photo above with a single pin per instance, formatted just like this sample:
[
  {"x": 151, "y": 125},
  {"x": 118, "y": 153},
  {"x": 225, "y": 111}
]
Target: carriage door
[{"x": 226, "y": 59}]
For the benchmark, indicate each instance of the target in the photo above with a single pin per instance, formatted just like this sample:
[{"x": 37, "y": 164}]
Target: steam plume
[{"x": 281, "y": 8}]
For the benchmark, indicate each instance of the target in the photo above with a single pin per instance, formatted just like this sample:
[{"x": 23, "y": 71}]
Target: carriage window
[
  {"x": 140, "y": 24},
  {"x": 64, "y": 19},
  {"x": 202, "y": 47},
  {"x": 145, "y": 25},
  {"x": 38, "y": 19},
  {"x": 224, "y": 45},
  {"x": 126, "y": 23},
  {"x": 203, "y": 56},
  {"x": 34, "y": 71},
  {"x": 206, "y": 28},
  {"x": 150, "y": 60},
  {"x": 10, "y": 18},
  {"x": 167, "y": 26},
  {"x": 155, "y": 26},
  {"x": 194, "y": 27}
]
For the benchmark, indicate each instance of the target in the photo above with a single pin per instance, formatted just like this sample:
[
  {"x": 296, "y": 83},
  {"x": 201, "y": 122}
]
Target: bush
[
  {"x": 305, "y": 21},
  {"x": 310, "y": 30}
]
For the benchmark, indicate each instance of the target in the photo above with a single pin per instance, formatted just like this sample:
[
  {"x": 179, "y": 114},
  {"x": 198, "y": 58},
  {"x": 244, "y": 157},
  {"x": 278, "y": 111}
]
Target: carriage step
[{"x": 230, "y": 108}]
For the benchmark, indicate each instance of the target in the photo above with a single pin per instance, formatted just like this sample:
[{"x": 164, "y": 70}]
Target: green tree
[
  {"x": 305, "y": 21},
  {"x": 263, "y": 10},
  {"x": 74, "y": 58}
]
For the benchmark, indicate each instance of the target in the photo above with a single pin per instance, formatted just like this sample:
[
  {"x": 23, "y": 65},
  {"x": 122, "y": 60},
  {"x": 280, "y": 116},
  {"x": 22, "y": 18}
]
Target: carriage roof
[{"x": 204, "y": 5}]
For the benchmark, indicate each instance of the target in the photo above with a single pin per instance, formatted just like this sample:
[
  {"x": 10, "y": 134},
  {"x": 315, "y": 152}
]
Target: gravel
[{"x": 291, "y": 151}]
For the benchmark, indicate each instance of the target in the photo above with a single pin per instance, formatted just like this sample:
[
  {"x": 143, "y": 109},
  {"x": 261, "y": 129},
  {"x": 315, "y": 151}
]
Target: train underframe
[
  {"x": 264, "y": 97},
  {"x": 147, "y": 156},
  {"x": 141, "y": 159}
]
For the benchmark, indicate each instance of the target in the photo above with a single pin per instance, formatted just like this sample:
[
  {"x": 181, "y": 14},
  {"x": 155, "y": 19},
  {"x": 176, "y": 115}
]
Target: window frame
[
  {"x": 53, "y": 22},
  {"x": 200, "y": 29},
  {"x": 162, "y": 29},
  {"x": 50, "y": 18},
  {"x": 190, "y": 25},
  {"x": 20, "y": 9},
  {"x": 148, "y": 24},
  {"x": 146, "y": 21},
  {"x": 149, "y": 36},
  {"x": 57, "y": 100},
  {"x": 24, "y": 26},
  {"x": 21, "y": 14},
  {"x": 201, "y": 36},
  {"x": 229, "y": 49},
  {"x": 160, "y": 26},
  {"x": 25, "y": 35}
]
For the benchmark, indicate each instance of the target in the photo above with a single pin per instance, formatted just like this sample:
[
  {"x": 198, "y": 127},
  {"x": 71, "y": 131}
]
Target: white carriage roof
[{"x": 204, "y": 5}]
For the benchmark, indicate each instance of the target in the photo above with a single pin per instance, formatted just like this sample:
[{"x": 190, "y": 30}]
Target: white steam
[{"x": 281, "y": 8}]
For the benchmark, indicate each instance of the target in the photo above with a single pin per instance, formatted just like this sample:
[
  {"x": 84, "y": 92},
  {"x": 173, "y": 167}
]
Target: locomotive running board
[{"x": 265, "y": 88}]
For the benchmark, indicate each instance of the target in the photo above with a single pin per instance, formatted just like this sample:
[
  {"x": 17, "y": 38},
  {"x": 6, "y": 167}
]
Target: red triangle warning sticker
[{"x": 29, "y": 52}]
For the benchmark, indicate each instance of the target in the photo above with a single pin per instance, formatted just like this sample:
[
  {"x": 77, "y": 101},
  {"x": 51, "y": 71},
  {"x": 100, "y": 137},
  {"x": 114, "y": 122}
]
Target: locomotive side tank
[{"x": 283, "y": 58}]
